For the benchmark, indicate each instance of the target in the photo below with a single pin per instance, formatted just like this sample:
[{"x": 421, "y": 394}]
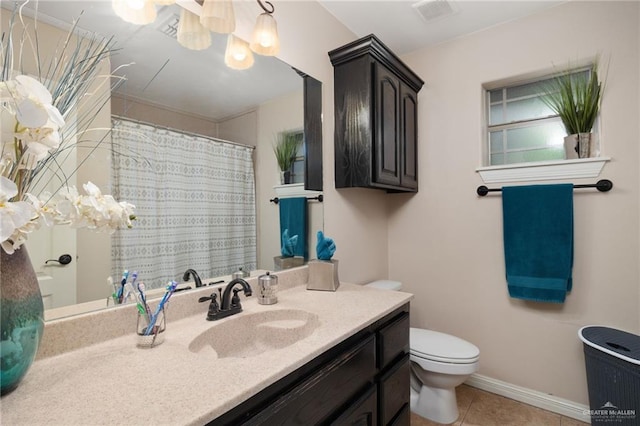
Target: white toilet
[{"x": 439, "y": 363}]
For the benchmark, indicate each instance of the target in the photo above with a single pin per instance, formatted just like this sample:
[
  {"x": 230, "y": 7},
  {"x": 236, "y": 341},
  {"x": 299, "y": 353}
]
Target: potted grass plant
[
  {"x": 576, "y": 98},
  {"x": 285, "y": 149}
]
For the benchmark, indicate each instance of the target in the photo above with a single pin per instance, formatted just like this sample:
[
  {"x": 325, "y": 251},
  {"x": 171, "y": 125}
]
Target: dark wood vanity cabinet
[
  {"x": 362, "y": 381},
  {"x": 376, "y": 125}
]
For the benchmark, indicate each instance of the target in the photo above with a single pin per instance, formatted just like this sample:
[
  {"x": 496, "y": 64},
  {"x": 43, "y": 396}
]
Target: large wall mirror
[{"x": 175, "y": 89}]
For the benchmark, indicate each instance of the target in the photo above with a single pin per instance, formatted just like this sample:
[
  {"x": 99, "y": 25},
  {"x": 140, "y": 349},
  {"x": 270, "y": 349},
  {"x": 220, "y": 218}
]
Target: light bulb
[
  {"x": 135, "y": 4},
  {"x": 265, "y": 36},
  {"x": 238, "y": 56}
]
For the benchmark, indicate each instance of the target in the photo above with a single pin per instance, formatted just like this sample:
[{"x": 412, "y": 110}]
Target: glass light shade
[
  {"x": 139, "y": 12},
  {"x": 191, "y": 34},
  {"x": 238, "y": 56},
  {"x": 218, "y": 16},
  {"x": 265, "y": 39}
]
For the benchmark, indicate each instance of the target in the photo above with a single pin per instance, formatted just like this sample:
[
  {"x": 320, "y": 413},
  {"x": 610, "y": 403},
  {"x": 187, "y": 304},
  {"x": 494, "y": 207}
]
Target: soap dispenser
[{"x": 267, "y": 289}]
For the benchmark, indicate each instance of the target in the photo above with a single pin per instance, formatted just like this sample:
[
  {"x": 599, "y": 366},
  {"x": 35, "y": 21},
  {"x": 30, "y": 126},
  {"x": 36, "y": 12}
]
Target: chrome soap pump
[{"x": 267, "y": 289}]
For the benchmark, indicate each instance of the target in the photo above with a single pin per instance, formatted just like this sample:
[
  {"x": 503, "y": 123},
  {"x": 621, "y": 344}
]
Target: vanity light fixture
[
  {"x": 191, "y": 33},
  {"x": 139, "y": 12},
  {"x": 238, "y": 56},
  {"x": 218, "y": 16},
  {"x": 264, "y": 40}
]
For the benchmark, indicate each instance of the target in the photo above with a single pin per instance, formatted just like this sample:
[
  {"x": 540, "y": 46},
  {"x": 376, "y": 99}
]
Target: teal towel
[
  {"x": 293, "y": 216},
  {"x": 538, "y": 241}
]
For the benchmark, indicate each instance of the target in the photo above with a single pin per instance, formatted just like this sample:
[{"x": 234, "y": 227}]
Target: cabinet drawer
[
  {"x": 393, "y": 340},
  {"x": 394, "y": 390},
  {"x": 317, "y": 397}
]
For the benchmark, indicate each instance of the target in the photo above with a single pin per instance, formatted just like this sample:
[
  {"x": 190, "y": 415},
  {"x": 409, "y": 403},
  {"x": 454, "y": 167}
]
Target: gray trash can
[{"x": 612, "y": 360}]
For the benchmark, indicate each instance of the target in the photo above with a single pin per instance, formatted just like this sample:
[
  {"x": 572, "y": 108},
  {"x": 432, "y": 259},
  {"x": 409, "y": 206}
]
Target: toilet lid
[{"x": 442, "y": 347}]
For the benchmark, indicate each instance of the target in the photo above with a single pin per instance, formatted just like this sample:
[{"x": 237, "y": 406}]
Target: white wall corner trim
[
  {"x": 543, "y": 170},
  {"x": 528, "y": 396}
]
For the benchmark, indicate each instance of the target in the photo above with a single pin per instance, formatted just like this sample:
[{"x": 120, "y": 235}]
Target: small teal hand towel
[
  {"x": 293, "y": 216},
  {"x": 538, "y": 241}
]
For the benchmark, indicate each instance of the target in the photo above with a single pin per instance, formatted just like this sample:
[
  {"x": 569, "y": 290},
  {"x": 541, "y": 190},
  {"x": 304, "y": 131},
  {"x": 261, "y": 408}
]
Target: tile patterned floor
[{"x": 480, "y": 408}]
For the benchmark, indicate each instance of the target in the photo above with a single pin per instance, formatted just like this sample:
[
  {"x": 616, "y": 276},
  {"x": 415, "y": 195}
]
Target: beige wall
[
  {"x": 241, "y": 129},
  {"x": 445, "y": 243},
  {"x": 161, "y": 116}
]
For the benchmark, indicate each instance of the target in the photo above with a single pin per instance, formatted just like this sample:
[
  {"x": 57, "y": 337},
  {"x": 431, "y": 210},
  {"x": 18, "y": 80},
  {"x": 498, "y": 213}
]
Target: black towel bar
[
  {"x": 602, "y": 185},
  {"x": 320, "y": 199}
]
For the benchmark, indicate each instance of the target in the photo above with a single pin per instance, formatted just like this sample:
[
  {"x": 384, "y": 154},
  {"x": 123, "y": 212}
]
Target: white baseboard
[{"x": 528, "y": 396}]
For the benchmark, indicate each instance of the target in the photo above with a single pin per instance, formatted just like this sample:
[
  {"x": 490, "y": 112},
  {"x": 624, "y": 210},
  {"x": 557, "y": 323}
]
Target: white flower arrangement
[{"x": 31, "y": 137}]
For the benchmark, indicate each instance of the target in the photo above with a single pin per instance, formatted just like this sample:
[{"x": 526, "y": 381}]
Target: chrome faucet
[
  {"x": 196, "y": 277},
  {"x": 228, "y": 305}
]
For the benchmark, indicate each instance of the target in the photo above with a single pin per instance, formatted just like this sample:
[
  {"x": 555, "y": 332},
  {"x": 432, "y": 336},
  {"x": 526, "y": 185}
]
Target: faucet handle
[
  {"x": 235, "y": 300},
  {"x": 207, "y": 298},
  {"x": 214, "y": 308}
]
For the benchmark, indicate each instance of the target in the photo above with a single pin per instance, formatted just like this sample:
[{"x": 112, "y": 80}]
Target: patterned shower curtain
[{"x": 195, "y": 204}]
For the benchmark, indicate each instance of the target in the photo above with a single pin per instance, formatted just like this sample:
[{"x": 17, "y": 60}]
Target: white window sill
[
  {"x": 294, "y": 190},
  {"x": 543, "y": 170}
]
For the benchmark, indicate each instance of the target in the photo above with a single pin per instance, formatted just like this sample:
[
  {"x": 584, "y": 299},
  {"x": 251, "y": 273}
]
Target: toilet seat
[{"x": 440, "y": 347}]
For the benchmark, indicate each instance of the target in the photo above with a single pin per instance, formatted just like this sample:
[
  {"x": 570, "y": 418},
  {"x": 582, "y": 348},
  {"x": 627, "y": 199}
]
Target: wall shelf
[
  {"x": 294, "y": 190},
  {"x": 543, "y": 170}
]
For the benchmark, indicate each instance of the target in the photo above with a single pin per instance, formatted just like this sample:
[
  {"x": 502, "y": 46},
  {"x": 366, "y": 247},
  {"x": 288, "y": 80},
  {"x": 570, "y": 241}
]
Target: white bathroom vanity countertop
[{"x": 116, "y": 383}]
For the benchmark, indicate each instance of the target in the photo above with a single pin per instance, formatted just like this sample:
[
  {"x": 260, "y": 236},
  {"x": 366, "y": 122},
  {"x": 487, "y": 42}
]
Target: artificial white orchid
[
  {"x": 93, "y": 211},
  {"x": 16, "y": 217},
  {"x": 34, "y": 121}
]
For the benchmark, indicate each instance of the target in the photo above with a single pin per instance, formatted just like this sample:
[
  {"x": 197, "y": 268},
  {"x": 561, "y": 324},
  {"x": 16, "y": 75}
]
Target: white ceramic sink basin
[{"x": 250, "y": 335}]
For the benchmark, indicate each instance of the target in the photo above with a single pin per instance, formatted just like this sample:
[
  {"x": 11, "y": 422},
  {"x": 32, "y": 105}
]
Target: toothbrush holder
[{"x": 156, "y": 336}]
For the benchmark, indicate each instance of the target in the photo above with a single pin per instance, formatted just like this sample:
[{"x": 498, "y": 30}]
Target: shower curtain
[{"x": 195, "y": 204}]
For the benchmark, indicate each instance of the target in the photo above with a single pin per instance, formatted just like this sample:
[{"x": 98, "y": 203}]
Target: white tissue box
[{"x": 323, "y": 275}]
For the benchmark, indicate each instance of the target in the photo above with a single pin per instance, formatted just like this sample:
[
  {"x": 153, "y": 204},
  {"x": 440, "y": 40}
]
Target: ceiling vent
[
  {"x": 431, "y": 10},
  {"x": 169, "y": 26}
]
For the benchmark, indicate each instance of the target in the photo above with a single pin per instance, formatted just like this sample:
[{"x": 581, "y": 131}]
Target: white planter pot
[{"x": 581, "y": 145}]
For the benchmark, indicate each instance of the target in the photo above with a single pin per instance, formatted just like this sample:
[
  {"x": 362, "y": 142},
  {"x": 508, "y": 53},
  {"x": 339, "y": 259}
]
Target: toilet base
[{"x": 437, "y": 405}]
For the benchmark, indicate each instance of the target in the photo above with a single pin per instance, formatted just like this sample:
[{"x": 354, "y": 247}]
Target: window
[
  {"x": 521, "y": 127},
  {"x": 297, "y": 171}
]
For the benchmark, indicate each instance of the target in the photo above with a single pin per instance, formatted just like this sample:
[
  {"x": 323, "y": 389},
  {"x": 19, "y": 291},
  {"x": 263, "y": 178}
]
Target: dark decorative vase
[
  {"x": 285, "y": 177},
  {"x": 21, "y": 317}
]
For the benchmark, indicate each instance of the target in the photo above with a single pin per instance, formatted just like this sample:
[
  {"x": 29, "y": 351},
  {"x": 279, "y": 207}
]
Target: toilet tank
[{"x": 385, "y": 285}]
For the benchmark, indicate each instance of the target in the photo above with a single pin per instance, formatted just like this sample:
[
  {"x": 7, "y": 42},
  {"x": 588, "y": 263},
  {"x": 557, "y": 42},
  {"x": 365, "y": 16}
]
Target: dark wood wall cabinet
[
  {"x": 362, "y": 381},
  {"x": 376, "y": 117}
]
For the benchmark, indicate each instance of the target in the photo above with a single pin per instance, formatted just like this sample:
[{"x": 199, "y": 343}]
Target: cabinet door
[
  {"x": 394, "y": 390},
  {"x": 386, "y": 167},
  {"x": 363, "y": 412},
  {"x": 409, "y": 138},
  {"x": 393, "y": 340}
]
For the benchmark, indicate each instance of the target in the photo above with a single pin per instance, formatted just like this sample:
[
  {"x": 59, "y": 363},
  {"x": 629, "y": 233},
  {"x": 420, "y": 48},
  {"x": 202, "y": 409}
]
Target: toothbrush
[
  {"x": 139, "y": 304},
  {"x": 167, "y": 295},
  {"x": 112, "y": 285},
  {"x": 125, "y": 275},
  {"x": 143, "y": 299}
]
